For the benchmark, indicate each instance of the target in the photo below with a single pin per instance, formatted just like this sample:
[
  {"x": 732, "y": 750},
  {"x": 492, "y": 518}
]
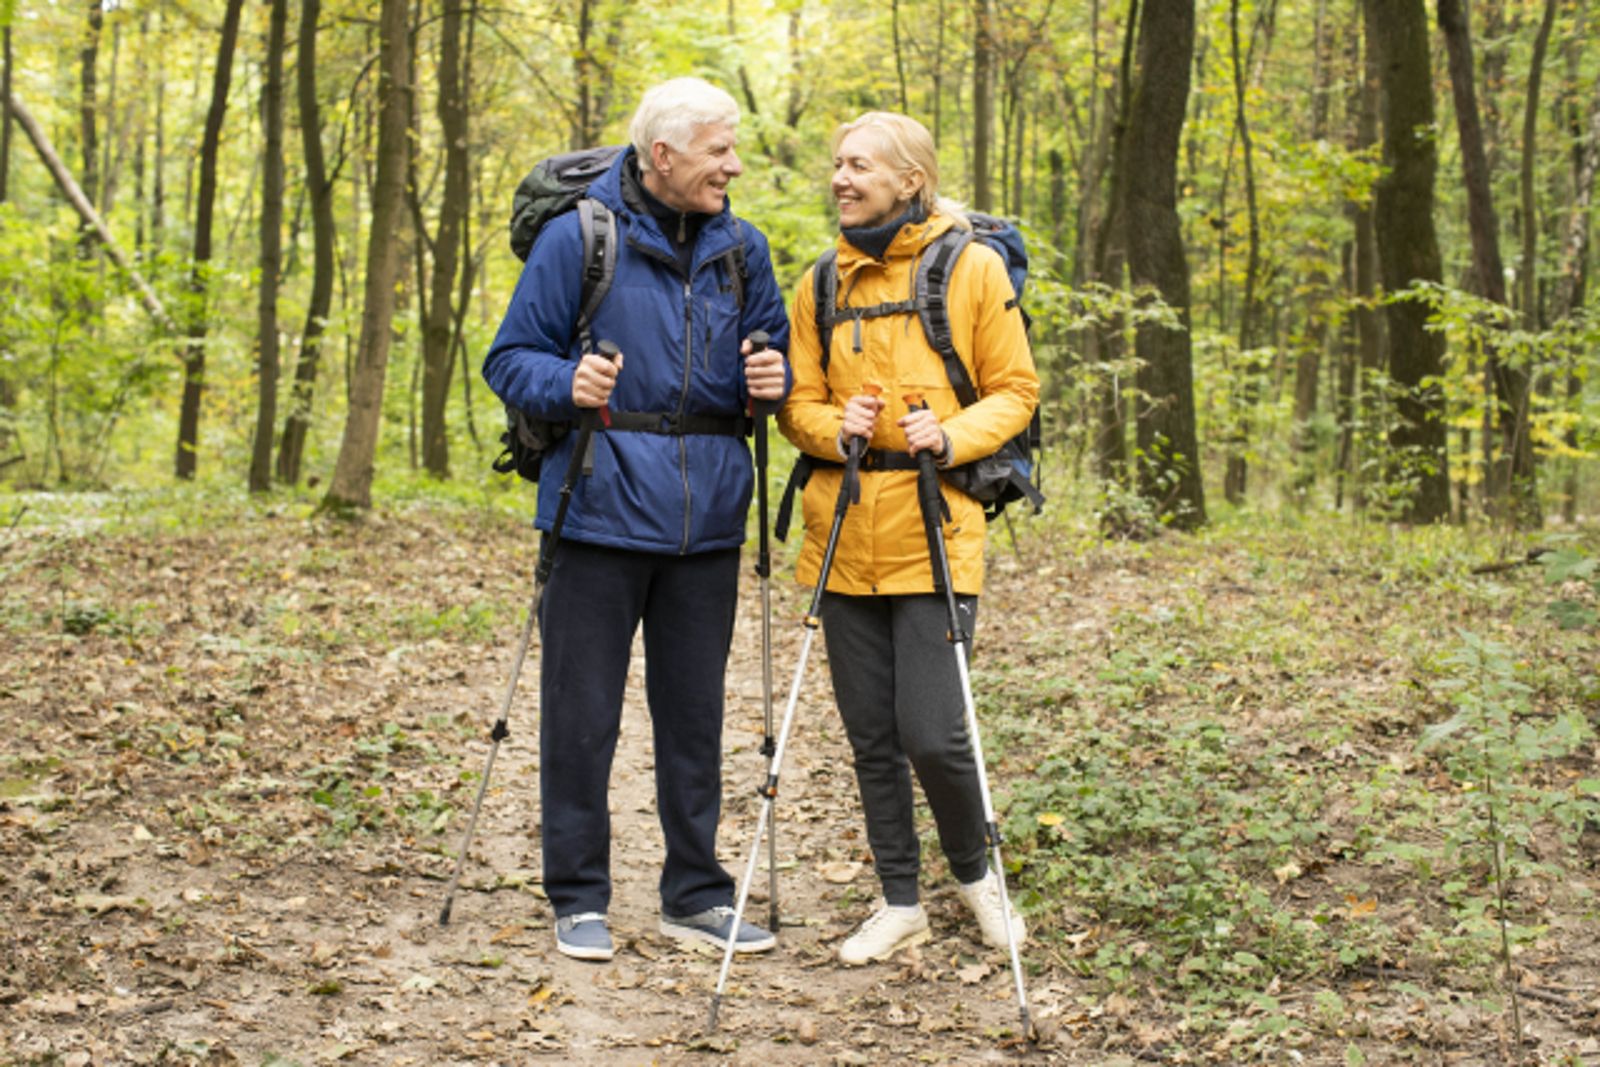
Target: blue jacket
[{"x": 680, "y": 341}]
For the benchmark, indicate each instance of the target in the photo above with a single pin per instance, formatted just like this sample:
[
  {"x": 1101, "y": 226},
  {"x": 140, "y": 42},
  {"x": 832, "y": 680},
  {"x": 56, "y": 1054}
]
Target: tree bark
[
  {"x": 1529, "y": 269},
  {"x": 5, "y": 117},
  {"x": 351, "y": 486},
  {"x": 319, "y": 185},
  {"x": 1408, "y": 252},
  {"x": 1512, "y": 480},
  {"x": 438, "y": 327},
  {"x": 983, "y": 58},
  {"x": 1169, "y": 470},
  {"x": 1320, "y": 298},
  {"x": 271, "y": 260},
  {"x": 1108, "y": 264},
  {"x": 194, "y": 356},
  {"x": 88, "y": 109},
  {"x": 1235, "y": 482}
]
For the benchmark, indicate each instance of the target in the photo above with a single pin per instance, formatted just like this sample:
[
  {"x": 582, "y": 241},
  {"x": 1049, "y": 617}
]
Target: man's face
[{"x": 696, "y": 179}]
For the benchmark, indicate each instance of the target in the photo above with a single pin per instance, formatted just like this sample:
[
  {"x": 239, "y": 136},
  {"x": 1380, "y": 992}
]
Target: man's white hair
[{"x": 674, "y": 110}]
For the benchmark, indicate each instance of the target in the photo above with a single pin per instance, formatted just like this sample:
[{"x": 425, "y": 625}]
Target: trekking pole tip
[
  {"x": 444, "y": 913},
  {"x": 716, "y": 1002}
]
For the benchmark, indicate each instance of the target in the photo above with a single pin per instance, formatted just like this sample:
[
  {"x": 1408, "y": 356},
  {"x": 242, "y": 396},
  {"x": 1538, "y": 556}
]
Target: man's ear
[{"x": 660, "y": 157}]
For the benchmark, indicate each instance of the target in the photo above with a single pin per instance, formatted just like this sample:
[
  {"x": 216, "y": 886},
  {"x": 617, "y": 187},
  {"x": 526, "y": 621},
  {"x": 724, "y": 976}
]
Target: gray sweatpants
[{"x": 899, "y": 693}]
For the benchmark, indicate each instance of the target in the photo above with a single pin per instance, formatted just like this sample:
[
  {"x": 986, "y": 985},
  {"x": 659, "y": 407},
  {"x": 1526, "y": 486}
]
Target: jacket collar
[
  {"x": 907, "y": 244},
  {"x": 717, "y": 236}
]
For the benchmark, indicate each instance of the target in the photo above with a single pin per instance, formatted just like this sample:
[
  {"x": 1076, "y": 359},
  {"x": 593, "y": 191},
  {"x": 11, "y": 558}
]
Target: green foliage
[
  {"x": 1570, "y": 568},
  {"x": 1207, "y": 792}
]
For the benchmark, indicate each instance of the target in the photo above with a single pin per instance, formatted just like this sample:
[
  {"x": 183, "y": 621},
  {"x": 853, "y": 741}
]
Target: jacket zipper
[
  {"x": 683, "y": 401},
  {"x": 688, "y": 369}
]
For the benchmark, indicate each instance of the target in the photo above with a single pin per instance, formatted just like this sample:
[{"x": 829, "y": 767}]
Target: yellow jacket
[{"x": 883, "y": 548}]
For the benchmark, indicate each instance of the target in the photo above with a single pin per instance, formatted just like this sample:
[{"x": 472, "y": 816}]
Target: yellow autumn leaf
[{"x": 1050, "y": 818}]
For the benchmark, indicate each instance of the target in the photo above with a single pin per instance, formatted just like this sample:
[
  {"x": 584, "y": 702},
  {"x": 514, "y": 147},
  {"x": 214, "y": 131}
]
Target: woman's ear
[{"x": 911, "y": 183}]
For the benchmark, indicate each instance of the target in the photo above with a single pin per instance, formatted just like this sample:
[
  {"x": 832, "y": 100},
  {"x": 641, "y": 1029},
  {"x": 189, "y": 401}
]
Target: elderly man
[{"x": 653, "y": 532}]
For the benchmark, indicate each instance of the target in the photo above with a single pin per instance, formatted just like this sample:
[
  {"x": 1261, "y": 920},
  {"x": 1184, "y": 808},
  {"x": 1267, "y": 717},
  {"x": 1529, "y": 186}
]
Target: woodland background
[
  {"x": 1299, "y": 251},
  {"x": 1290, "y": 695}
]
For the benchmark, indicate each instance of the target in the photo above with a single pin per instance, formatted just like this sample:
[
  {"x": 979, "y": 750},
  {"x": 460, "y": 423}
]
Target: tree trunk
[
  {"x": 194, "y": 356},
  {"x": 88, "y": 110},
  {"x": 1236, "y": 479},
  {"x": 158, "y": 184},
  {"x": 899, "y": 55},
  {"x": 1512, "y": 386},
  {"x": 271, "y": 249},
  {"x": 1106, "y": 247},
  {"x": 5, "y": 116},
  {"x": 983, "y": 48},
  {"x": 1368, "y": 356},
  {"x": 1320, "y": 299},
  {"x": 351, "y": 486},
  {"x": 1511, "y": 481},
  {"x": 320, "y": 189},
  {"x": 1169, "y": 471},
  {"x": 1408, "y": 252},
  {"x": 438, "y": 326}
]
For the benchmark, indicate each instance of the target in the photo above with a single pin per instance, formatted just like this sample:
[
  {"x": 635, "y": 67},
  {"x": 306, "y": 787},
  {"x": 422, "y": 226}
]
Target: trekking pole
[
  {"x": 849, "y": 493},
  {"x": 759, "y": 340},
  {"x": 933, "y": 509},
  {"x": 547, "y": 554}
]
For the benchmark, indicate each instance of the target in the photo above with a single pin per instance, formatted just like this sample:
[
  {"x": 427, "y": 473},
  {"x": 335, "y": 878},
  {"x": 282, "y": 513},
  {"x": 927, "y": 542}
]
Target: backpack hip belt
[{"x": 677, "y": 424}]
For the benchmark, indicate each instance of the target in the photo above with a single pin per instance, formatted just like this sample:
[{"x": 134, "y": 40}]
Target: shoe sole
[
  {"x": 578, "y": 952},
  {"x": 695, "y": 934},
  {"x": 919, "y": 938}
]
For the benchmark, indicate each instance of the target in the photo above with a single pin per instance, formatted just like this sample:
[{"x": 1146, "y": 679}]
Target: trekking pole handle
[
  {"x": 608, "y": 351},
  {"x": 759, "y": 343}
]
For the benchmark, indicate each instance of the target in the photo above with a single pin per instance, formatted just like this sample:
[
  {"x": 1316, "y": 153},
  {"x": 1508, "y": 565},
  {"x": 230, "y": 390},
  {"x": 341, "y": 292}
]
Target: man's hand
[
  {"x": 763, "y": 373},
  {"x": 923, "y": 433},
  {"x": 594, "y": 379}
]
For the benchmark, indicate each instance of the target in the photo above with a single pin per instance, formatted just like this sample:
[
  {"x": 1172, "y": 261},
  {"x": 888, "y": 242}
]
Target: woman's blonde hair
[{"x": 907, "y": 147}]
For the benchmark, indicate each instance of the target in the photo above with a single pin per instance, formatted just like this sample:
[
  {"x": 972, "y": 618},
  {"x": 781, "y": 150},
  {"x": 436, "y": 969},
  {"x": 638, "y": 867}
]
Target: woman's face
[{"x": 868, "y": 190}]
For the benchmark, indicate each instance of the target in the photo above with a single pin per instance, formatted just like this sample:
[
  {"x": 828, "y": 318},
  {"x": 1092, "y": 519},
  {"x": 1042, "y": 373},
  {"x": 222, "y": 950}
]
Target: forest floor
[{"x": 239, "y": 745}]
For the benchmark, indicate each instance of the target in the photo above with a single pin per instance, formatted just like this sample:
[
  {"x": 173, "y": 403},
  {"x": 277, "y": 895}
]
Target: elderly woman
[{"x": 894, "y": 671}]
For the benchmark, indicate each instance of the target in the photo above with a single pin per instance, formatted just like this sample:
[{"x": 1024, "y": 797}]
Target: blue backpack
[{"x": 996, "y": 480}]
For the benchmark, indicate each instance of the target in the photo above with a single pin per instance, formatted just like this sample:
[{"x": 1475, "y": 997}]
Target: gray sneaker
[
  {"x": 713, "y": 925},
  {"x": 584, "y": 936}
]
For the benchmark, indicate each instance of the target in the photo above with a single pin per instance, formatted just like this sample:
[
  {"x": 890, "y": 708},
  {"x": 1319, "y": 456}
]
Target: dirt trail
[{"x": 144, "y": 930}]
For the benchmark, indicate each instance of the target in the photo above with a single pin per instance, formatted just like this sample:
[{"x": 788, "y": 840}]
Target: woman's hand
[
  {"x": 594, "y": 379},
  {"x": 860, "y": 415},
  {"x": 923, "y": 433}
]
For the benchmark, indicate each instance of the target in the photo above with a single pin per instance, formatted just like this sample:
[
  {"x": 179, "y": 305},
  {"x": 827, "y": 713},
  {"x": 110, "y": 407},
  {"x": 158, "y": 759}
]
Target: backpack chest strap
[{"x": 854, "y": 315}]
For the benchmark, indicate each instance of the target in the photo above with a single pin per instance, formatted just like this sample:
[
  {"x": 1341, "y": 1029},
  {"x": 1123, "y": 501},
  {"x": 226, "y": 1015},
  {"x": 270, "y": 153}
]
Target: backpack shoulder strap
[
  {"x": 599, "y": 229},
  {"x": 733, "y": 262},
  {"x": 931, "y": 292},
  {"x": 825, "y": 294}
]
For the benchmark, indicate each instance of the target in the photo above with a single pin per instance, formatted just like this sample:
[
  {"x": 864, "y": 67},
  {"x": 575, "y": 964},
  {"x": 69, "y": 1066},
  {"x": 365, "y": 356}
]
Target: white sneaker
[
  {"x": 889, "y": 930},
  {"x": 983, "y": 897}
]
